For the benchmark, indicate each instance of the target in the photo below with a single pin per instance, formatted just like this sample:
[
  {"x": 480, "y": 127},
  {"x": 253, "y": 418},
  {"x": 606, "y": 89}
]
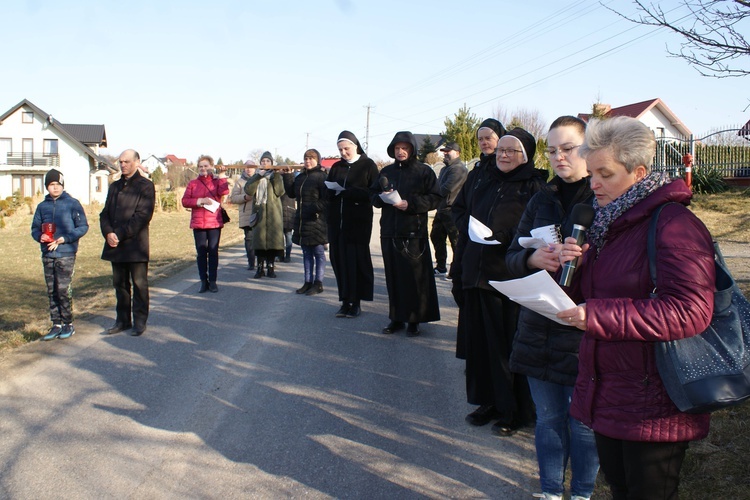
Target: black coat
[
  {"x": 311, "y": 193},
  {"x": 350, "y": 212},
  {"x": 497, "y": 200},
  {"x": 127, "y": 213},
  {"x": 417, "y": 184},
  {"x": 542, "y": 348}
]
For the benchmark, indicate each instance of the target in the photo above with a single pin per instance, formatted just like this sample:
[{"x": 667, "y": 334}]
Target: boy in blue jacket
[{"x": 59, "y": 222}]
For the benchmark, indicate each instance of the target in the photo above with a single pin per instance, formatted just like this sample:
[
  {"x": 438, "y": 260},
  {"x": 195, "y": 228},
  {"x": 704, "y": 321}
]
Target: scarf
[
  {"x": 261, "y": 194},
  {"x": 607, "y": 214}
]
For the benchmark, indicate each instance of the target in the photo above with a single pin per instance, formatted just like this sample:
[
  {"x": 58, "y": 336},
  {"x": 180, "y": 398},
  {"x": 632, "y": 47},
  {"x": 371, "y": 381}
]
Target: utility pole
[
  {"x": 307, "y": 141},
  {"x": 367, "y": 129}
]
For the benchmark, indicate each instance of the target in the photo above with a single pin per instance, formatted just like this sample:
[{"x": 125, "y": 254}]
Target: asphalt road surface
[{"x": 252, "y": 392}]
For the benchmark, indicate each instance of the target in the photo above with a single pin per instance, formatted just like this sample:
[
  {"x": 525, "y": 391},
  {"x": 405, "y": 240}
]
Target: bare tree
[
  {"x": 529, "y": 119},
  {"x": 712, "y": 42},
  {"x": 255, "y": 155}
]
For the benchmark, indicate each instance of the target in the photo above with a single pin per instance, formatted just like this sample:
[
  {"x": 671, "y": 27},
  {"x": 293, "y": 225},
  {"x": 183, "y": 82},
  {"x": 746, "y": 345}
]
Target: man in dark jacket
[
  {"x": 409, "y": 278},
  {"x": 124, "y": 223},
  {"x": 450, "y": 181}
]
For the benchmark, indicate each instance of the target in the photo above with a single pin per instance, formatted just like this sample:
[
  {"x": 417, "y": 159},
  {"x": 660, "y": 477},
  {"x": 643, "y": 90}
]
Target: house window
[
  {"x": 28, "y": 117},
  {"x": 99, "y": 184},
  {"x": 28, "y": 185},
  {"x": 50, "y": 147}
]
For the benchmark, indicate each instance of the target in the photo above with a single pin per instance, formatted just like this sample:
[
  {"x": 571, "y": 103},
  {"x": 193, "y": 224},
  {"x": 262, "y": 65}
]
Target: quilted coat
[
  {"x": 204, "y": 187},
  {"x": 618, "y": 391},
  {"x": 311, "y": 193}
]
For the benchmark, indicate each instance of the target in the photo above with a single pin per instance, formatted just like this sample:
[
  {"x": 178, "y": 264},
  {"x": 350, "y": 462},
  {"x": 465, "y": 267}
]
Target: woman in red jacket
[
  {"x": 641, "y": 436},
  {"x": 203, "y": 196}
]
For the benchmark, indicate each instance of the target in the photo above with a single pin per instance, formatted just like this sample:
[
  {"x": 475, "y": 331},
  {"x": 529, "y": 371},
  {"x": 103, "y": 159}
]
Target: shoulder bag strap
[{"x": 651, "y": 245}]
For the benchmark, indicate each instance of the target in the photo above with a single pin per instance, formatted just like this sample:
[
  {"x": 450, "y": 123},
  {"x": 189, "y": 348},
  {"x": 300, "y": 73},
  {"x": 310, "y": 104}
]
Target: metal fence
[{"x": 726, "y": 150}]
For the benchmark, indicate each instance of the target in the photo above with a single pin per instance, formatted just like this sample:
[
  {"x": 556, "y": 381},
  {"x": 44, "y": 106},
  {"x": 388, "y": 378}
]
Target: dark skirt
[
  {"x": 352, "y": 266},
  {"x": 410, "y": 279},
  {"x": 490, "y": 324}
]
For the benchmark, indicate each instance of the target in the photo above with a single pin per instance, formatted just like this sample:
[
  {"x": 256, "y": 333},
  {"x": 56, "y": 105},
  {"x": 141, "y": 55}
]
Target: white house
[
  {"x": 652, "y": 113},
  {"x": 33, "y": 141},
  {"x": 152, "y": 163}
]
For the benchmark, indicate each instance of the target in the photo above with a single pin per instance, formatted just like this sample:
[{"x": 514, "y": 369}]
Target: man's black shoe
[
  {"x": 482, "y": 415},
  {"x": 138, "y": 331},
  {"x": 393, "y": 326},
  {"x": 342, "y": 312},
  {"x": 204, "y": 287},
  {"x": 212, "y": 287},
  {"x": 412, "y": 330},
  {"x": 118, "y": 327}
]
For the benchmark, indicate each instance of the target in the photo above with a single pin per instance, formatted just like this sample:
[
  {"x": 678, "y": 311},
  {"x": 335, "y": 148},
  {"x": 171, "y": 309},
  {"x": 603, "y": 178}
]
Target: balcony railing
[{"x": 33, "y": 160}]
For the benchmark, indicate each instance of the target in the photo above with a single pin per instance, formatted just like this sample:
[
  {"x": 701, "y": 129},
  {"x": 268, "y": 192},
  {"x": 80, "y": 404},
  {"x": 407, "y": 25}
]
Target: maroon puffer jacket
[
  {"x": 618, "y": 391},
  {"x": 204, "y": 187}
]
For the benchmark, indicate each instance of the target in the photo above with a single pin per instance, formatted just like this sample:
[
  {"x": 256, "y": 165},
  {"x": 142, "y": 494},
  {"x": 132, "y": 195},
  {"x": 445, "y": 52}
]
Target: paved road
[{"x": 254, "y": 392}]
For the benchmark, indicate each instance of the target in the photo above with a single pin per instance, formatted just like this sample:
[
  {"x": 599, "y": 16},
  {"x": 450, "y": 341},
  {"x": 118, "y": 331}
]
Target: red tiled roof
[{"x": 175, "y": 160}]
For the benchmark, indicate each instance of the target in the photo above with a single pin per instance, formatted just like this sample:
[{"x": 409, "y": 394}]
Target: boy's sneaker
[
  {"x": 440, "y": 272},
  {"x": 67, "y": 331},
  {"x": 53, "y": 333}
]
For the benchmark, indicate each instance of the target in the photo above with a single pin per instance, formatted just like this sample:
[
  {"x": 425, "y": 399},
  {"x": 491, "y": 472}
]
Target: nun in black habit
[
  {"x": 350, "y": 224},
  {"x": 409, "y": 277},
  {"x": 500, "y": 194}
]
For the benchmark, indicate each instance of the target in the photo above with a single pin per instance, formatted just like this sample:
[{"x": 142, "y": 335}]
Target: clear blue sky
[{"x": 226, "y": 77}]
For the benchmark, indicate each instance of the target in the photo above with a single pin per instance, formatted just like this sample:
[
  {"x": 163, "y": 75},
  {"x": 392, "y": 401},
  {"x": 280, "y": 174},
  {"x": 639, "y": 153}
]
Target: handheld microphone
[
  {"x": 582, "y": 216},
  {"x": 384, "y": 184}
]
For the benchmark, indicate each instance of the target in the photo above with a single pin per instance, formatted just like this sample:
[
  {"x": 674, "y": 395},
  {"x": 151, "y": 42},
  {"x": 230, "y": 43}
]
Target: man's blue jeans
[{"x": 559, "y": 437}]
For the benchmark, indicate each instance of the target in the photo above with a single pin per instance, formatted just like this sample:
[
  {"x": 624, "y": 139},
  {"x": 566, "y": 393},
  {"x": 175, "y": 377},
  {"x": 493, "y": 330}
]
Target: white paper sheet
[
  {"x": 538, "y": 292},
  {"x": 335, "y": 186},
  {"x": 391, "y": 197},
  {"x": 213, "y": 206},
  {"x": 478, "y": 232}
]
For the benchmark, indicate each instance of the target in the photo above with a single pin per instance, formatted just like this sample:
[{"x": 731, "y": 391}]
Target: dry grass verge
[{"x": 24, "y": 315}]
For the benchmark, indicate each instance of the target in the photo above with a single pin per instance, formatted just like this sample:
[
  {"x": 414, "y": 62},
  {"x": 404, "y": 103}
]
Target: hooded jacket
[
  {"x": 496, "y": 199},
  {"x": 268, "y": 234},
  {"x": 416, "y": 183},
  {"x": 70, "y": 221},
  {"x": 619, "y": 392}
]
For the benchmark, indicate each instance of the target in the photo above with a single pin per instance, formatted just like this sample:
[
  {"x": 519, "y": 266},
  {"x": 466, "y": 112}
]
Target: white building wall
[
  {"x": 74, "y": 163},
  {"x": 655, "y": 119}
]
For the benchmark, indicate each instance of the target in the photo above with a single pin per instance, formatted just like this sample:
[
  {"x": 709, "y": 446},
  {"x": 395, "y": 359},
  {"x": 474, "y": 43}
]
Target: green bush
[
  {"x": 708, "y": 180},
  {"x": 168, "y": 201}
]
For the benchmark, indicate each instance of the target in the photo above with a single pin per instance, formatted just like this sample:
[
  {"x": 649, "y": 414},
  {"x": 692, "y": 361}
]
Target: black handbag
[
  {"x": 225, "y": 216},
  {"x": 711, "y": 370}
]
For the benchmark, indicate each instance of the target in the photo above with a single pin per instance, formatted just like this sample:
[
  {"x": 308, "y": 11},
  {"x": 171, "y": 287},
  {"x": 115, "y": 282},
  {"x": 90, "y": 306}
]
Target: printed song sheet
[{"x": 538, "y": 292}]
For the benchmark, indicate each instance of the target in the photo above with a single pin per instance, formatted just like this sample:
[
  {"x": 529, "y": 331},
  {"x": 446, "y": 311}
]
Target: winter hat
[
  {"x": 348, "y": 136},
  {"x": 493, "y": 125},
  {"x": 54, "y": 176},
  {"x": 267, "y": 154},
  {"x": 313, "y": 152}
]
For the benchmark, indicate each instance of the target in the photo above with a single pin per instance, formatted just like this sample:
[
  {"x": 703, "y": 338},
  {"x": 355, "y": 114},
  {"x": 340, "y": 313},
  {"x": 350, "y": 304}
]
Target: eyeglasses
[
  {"x": 507, "y": 152},
  {"x": 564, "y": 150}
]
